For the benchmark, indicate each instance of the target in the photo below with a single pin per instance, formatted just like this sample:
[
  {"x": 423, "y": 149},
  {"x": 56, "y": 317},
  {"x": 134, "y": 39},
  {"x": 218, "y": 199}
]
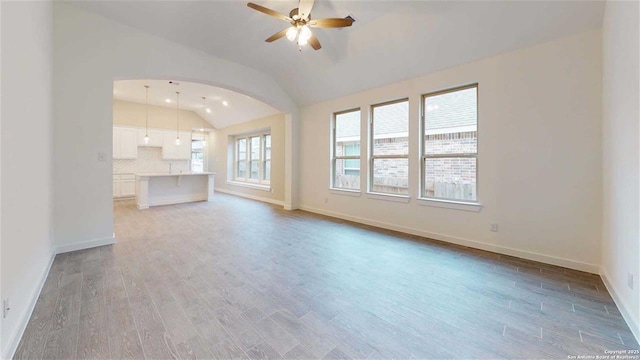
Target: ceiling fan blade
[
  {"x": 304, "y": 8},
  {"x": 267, "y": 11},
  {"x": 314, "y": 42},
  {"x": 277, "y": 35},
  {"x": 331, "y": 23}
]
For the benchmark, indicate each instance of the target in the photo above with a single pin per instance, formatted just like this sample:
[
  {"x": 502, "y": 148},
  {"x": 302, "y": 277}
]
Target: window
[
  {"x": 346, "y": 150},
  {"x": 241, "y": 158},
  {"x": 267, "y": 158},
  {"x": 197, "y": 156},
  {"x": 253, "y": 158},
  {"x": 389, "y": 165},
  {"x": 450, "y": 148}
]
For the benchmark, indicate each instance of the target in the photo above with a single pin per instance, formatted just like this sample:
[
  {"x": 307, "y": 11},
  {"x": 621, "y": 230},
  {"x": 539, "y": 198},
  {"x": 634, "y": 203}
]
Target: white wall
[
  {"x": 26, "y": 139},
  {"x": 133, "y": 114},
  {"x": 539, "y": 155},
  {"x": 219, "y": 150},
  {"x": 90, "y": 52},
  {"x": 621, "y": 165}
]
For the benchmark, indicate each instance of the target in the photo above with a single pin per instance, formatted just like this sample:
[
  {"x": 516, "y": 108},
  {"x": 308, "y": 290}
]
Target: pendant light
[
  {"x": 177, "y": 118},
  {"x": 146, "y": 115},
  {"x": 204, "y": 137}
]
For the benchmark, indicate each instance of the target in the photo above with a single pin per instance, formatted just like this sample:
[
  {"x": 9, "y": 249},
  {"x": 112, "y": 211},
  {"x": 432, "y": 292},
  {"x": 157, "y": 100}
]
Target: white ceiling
[
  {"x": 390, "y": 41},
  {"x": 240, "y": 108}
]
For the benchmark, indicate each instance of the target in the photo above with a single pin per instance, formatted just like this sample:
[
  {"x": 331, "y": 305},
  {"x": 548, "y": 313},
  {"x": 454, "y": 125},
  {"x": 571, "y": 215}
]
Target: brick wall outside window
[{"x": 442, "y": 176}]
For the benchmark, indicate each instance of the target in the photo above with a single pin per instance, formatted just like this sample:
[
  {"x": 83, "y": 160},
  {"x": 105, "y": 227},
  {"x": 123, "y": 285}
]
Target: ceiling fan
[{"x": 300, "y": 20}]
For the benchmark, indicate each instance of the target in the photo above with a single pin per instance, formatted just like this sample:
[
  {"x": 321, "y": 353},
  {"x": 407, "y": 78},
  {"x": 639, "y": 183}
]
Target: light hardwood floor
[{"x": 236, "y": 278}]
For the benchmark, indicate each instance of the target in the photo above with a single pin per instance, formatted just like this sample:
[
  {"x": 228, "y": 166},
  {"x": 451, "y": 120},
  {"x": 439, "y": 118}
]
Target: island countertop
[{"x": 188, "y": 173}]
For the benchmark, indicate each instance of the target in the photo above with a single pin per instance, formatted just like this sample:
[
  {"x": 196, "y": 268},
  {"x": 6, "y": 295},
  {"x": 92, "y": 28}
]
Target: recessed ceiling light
[
  {"x": 209, "y": 110},
  {"x": 167, "y": 100},
  {"x": 225, "y": 103}
]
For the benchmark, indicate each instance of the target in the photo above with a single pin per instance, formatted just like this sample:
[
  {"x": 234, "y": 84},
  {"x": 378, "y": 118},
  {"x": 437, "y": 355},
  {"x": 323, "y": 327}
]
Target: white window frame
[
  {"x": 335, "y": 158},
  {"x": 374, "y": 157},
  {"x": 261, "y": 161},
  {"x": 424, "y": 156},
  {"x": 263, "y": 149}
]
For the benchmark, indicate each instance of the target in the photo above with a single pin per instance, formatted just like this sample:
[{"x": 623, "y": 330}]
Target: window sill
[
  {"x": 250, "y": 185},
  {"x": 453, "y": 205},
  {"x": 345, "y": 192},
  {"x": 389, "y": 197}
]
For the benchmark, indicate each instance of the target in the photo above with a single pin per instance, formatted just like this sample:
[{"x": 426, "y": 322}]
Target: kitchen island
[{"x": 173, "y": 188}]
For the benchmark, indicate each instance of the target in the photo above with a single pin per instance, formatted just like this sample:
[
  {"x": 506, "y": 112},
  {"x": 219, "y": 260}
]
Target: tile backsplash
[{"x": 149, "y": 161}]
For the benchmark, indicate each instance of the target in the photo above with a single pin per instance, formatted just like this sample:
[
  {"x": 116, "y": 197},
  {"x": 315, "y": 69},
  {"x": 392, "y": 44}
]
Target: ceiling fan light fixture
[
  {"x": 292, "y": 33},
  {"x": 305, "y": 34},
  {"x": 300, "y": 18}
]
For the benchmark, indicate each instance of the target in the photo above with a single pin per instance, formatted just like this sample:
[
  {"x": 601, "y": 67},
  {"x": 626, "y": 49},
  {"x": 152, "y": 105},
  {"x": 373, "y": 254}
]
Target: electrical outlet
[
  {"x": 630, "y": 280},
  {"x": 326, "y": 200},
  {"x": 494, "y": 227},
  {"x": 5, "y": 308}
]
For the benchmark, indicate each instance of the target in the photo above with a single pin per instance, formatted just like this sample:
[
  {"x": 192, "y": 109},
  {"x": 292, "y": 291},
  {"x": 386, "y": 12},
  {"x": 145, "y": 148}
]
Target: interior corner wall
[
  {"x": 220, "y": 162},
  {"x": 539, "y": 161},
  {"x": 621, "y": 160},
  {"x": 26, "y": 139},
  {"x": 90, "y": 52}
]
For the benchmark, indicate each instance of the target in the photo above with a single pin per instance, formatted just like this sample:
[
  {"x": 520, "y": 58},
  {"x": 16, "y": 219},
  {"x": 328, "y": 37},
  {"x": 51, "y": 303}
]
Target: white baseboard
[
  {"x": 252, "y": 197},
  {"x": 85, "y": 244},
  {"x": 622, "y": 305},
  {"x": 548, "y": 259},
  {"x": 14, "y": 340}
]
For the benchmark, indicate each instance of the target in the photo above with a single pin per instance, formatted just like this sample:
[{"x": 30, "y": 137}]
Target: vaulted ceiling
[
  {"x": 222, "y": 107},
  {"x": 389, "y": 42}
]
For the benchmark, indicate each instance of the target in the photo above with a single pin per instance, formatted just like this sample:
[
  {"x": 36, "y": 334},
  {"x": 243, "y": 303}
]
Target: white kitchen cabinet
[
  {"x": 127, "y": 185},
  {"x": 125, "y": 143},
  {"x": 156, "y": 138},
  {"x": 124, "y": 185},
  {"x": 116, "y": 187},
  {"x": 171, "y": 151}
]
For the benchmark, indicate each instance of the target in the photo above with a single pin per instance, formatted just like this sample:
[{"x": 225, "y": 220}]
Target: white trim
[
  {"x": 14, "y": 340},
  {"x": 124, "y": 198},
  {"x": 548, "y": 259},
  {"x": 447, "y": 204},
  {"x": 252, "y": 197},
  {"x": 249, "y": 185},
  {"x": 622, "y": 305},
  {"x": 345, "y": 192},
  {"x": 86, "y": 244},
  {"x": 388, "y": 197}
]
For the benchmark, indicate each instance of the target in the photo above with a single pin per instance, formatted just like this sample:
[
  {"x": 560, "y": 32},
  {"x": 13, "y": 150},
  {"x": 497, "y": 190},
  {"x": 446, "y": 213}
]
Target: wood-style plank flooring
[{"x": 236, "y": 278}]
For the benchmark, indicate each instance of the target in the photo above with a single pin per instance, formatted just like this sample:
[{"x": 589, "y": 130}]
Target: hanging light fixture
[
  {"x": 146, "y": 115},
  {"x": 304, "y": 35},
  {"x": 204, "y": 137},
  {"x": 177, "y": 117}
]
